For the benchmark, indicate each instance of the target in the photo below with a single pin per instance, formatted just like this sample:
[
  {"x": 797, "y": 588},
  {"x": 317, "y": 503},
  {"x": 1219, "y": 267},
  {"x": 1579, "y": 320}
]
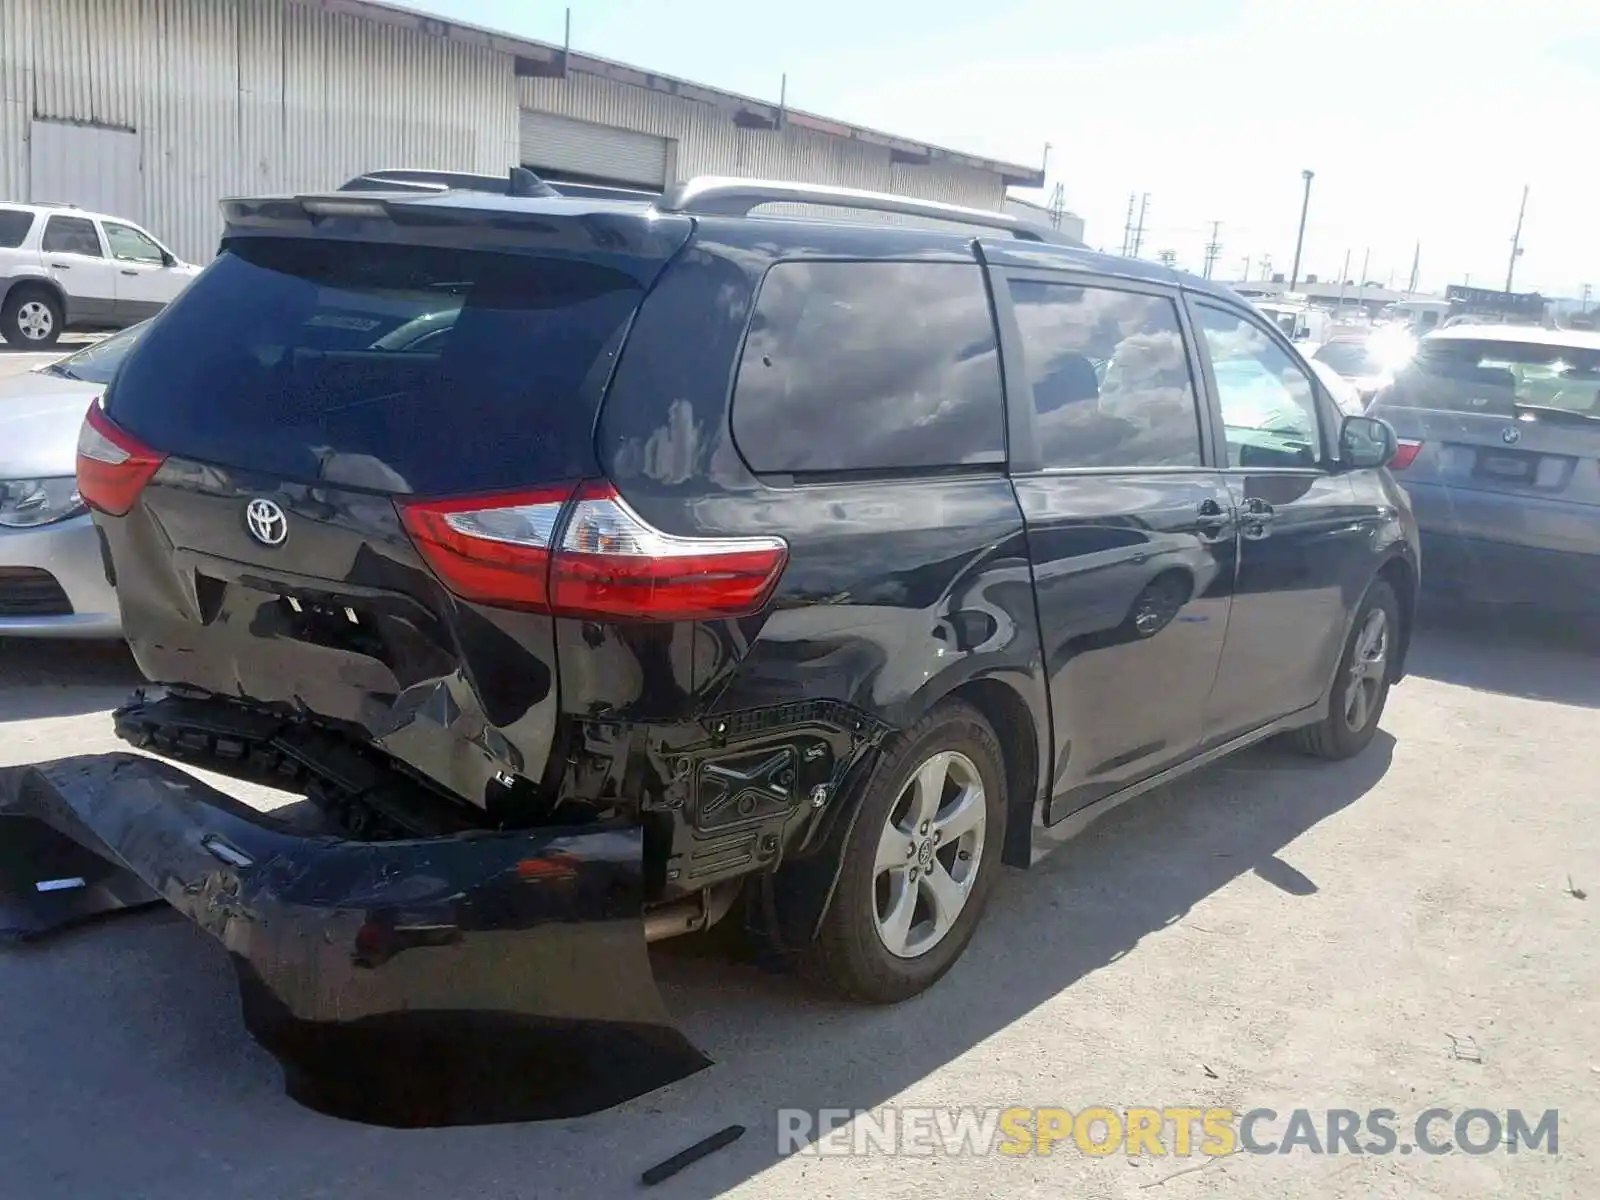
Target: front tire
[
  {"x": 919, "y": 864},
  {"x": 31, "y": 318},
  {"x": 1361, "y": 687}
]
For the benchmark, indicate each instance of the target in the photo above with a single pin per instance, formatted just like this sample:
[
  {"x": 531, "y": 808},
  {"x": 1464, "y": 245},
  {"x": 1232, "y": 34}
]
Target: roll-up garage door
[{"x": 554, "y": 145}]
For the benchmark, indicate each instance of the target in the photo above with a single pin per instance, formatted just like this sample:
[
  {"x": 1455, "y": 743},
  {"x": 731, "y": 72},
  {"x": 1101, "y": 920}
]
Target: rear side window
[
  {"x": 14, "y": 226},
  {"x": 70, "y": 235},
  {"x": 401, "y": 368},
  {"x": 870, "y": 366},
  {"x": 1110, "y": 377}
]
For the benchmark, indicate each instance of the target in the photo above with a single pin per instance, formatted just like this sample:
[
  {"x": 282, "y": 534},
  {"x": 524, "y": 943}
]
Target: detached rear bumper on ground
[{"x": 467, "y": 979}]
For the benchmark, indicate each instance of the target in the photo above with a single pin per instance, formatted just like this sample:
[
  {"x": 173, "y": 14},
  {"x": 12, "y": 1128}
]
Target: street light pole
[{"x": 1300, "y": 239}]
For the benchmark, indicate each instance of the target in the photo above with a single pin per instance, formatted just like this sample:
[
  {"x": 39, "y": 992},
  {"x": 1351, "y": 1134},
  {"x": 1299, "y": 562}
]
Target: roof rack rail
[
  {"x": 712, "y": 195},
  {"x": 518, "y": 181}
]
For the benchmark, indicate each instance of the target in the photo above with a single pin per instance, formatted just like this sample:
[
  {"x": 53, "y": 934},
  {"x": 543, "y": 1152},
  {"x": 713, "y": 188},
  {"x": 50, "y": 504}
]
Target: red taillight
[
  {"x": 614, "y": 564},
  {"x": 492, "y": 549},
  {"x": 1405, "y": 454},
  {"x": 610, "y": 564},
  {"x": 113, "y": 465}
]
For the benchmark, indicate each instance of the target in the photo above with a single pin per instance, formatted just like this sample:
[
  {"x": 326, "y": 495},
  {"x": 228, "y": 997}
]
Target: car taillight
[
  {"x": 1405, "y": 454},
  {"x": 492, "y": 549},
  {"x": 113, "y": 465},
  {"x": 610, "y": 563}
]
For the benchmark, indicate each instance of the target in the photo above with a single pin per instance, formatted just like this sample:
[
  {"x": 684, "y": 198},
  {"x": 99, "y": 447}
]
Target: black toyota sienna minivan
[{"x": 837, "y": 561}]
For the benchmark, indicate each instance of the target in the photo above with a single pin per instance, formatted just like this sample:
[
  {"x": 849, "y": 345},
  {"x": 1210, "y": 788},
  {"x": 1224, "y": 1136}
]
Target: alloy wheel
[
  {"x": 928, "y": 854},
  {"x": 1369, "y": 666},
  {"x": 35, "y": 320}
]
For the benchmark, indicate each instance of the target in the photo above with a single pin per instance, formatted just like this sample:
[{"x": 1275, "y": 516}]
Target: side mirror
[
  {"x": 168, "y": 259},
  {"x": 1367, "y": 442}
]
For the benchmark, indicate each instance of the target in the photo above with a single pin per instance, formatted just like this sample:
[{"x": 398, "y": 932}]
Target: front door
[
  {"x": 75, "y": 259},
  {"x": 1130, "y": 529},
  {"x": 145, "y": 283},
  {"x": 1302, "y": 541}
]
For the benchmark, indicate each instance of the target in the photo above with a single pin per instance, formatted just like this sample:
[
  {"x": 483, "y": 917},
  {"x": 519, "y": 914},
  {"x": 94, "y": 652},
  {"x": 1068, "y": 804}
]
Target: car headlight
[{"x": 25, "y": 503}]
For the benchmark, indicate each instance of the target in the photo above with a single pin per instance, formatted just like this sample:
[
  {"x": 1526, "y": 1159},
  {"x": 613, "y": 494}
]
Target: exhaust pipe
[{"x": 700, "y": 911}]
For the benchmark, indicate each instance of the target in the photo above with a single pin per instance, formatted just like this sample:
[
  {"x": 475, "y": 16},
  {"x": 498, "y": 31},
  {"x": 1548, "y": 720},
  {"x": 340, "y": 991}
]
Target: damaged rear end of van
[{"x": 348, "y": 492}]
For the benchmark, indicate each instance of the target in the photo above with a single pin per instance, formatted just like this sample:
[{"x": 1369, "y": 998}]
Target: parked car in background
[
  {"x": 1367, "y": 359},
  {"x": 52, "y": 579},
  {"x": 1345, "y": 394},
  {"x": 1499, "y": 430},
  {"x": 64, "y": 268}
]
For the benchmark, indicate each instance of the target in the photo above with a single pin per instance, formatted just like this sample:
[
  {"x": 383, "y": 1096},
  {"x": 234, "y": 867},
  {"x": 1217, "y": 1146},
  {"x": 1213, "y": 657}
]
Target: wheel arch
[
  {"x": 799, "y": 893},
  {"x": 40, "y": 283}
]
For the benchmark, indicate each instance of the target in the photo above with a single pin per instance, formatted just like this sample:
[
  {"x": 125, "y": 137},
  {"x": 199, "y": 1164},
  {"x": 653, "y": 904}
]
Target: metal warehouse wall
[
  {"x": 232, "y": 97},
  {"x": 709, "y": 143}
]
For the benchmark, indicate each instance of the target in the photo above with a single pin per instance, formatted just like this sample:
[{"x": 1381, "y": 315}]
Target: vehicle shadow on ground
[
  {"x": 132, "y": 1029},
  {"x": 47, "y": 678},
  {"x": 1538, "y": 656}
]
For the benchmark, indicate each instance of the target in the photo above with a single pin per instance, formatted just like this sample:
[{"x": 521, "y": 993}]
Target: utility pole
[
  {"x": 1587, "y": 292},
  {"x": 1127, "y": 228},
  {"x": 1516, "y": 239},
  {"x": 1344, "y": 277},
  {"x": 1266, "y": 268},
  {"x": 1416, "y": 270},
  {"x": 1214, "y": 249},
  {"x": 1138, "y": 232},
  {"x": 1366, "y": 261},
  {"x": 1244, "y": 276},
  {"x": 1167, "y": 258},
  {"x": 1300, "y": 238}
]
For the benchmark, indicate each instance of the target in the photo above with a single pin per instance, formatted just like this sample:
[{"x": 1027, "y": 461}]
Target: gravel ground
[{"x": 1271, "y": 933}]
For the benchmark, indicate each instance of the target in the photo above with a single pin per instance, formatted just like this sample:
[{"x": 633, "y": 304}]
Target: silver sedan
[{"x": 52, "y": 580}]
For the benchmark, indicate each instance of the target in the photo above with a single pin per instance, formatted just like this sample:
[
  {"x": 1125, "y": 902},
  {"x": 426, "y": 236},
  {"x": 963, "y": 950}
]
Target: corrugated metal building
[{"x": 155, "y": 109}]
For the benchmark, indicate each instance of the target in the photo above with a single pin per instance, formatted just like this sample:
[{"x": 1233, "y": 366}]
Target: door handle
[
  {"x": 126, "y": 271},
  {"x": 61, "y": 266},
  {"x": 1257, "y": 518}
]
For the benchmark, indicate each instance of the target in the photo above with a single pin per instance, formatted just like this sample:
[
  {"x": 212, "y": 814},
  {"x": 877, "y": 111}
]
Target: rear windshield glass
[
  {"x": 404, "y": 368},
  {"x": 1350, "y": 358},
  {"x": 1498, "y": 378},
  {"x": 99, "y": 363}
]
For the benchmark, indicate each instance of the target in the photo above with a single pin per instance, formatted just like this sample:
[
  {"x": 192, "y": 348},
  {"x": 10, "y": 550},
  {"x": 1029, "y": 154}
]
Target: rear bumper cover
[{"x": 470, "y": 979}]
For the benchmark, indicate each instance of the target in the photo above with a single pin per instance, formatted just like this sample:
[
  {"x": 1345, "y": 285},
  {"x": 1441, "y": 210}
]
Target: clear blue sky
[{"x": 1421, "y": 119}]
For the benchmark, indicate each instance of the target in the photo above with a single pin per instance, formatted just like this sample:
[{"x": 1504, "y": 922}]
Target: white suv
[{"x": 65, "y": 268}]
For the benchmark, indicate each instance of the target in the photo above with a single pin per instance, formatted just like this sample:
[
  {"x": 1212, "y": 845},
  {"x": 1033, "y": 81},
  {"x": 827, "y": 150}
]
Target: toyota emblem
[
  {"x": 1511, "y": 435},
  {"x": 266, "y": 522}
]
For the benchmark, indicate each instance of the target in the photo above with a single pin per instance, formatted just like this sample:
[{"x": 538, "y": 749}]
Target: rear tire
[
  {"x": 919, "y": 864},
  {"x": 1361, "y": 687},
  {"x": 31, "y": 318}
]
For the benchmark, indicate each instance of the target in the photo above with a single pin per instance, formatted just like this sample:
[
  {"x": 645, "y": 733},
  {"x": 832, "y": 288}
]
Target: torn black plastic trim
[{"x": 475, "y": 978}]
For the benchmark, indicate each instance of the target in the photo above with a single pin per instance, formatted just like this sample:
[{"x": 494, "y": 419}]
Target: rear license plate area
[{"x": 1507, "y": 468}]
